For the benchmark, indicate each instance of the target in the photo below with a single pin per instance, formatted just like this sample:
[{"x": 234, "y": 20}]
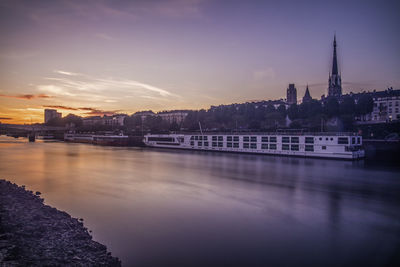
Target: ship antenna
[{"x": 201, "y": 130}]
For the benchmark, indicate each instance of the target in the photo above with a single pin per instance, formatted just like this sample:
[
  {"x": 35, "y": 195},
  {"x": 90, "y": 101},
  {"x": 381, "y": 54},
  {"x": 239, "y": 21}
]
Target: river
[{"x": 155, "y": 207}]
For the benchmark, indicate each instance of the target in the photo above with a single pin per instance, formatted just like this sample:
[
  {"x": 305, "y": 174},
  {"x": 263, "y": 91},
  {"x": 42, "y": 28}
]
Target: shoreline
[{"x": 33, "y": 233}]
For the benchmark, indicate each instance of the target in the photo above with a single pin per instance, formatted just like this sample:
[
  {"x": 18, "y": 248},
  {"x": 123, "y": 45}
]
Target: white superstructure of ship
[{"x": 323, "y": 145}]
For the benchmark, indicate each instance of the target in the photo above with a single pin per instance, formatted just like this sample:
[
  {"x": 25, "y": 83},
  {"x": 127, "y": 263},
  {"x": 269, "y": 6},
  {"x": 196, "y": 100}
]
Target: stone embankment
[{"x": 35, "y": 234}]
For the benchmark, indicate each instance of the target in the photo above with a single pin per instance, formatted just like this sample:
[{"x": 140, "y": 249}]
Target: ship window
[
  {"x": 229, "y": 138},
  {"x": 285, "y": 139},
  {"x": 253, "y": 146},
  {"x": 264, "y": 146},
  {"x": 253, "y": 139},
  {"x": 205, "y": 143},
  {"x": 358, "y": 140},
  {"x": 294, "y": 139},
  {"x": 343, "y": 140},
  {"x": 228, "y": 144},
  {"x": 220, "y": 138},
  {"x": 353, "y": 140},
  {"x": 220, "y": 144},
  {"x": 196, "y": 138},
  {"x": 236, "y": 145},
  {"x": 309, "y": 148},
  {"x": 323, "y": 147},
  {"x": 246, "y": 139},
  {"x": 285, "y": 147},
  {"x": 192, "y": 143},
  {"x": 272, "y": 139},
  {"x": 309, "y": 140},
  {"x": 320, "y": 138},
  {"x": 214, "y": 144},
  {"x": 192, "y": 137},
  {"x": 245, "y": 145},
  {"x": 205, "y": 137},
  {"x": 214, "y": 138},
  {"x": 326, "y": 138},
  {"x": 272, "y": 146},
  {"x": 236, "y": 138},
  {"x": 264, "y": 139},
  {"x": 331, "y": 139},
  {"x": 294, "y": 147},
  {"x": 200, "y": 143}
]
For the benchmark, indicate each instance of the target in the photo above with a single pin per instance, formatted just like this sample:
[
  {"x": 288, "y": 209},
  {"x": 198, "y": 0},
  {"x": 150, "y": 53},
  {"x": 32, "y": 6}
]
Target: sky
[{"x": 90, "y": 57}]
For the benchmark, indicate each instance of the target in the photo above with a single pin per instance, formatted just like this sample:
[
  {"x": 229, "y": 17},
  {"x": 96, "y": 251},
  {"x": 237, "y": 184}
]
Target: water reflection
[{"x": 162, "y": 207}]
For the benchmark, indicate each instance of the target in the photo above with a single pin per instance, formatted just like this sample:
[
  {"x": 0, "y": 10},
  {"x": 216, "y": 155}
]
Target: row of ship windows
[
  {"x": 273, "y": 139},
  {"x": 254, "y": 146}
]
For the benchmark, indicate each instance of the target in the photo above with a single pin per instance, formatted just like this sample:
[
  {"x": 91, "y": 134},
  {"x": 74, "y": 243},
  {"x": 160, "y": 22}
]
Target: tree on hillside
[
  {"x": 282, "y": 110},
  {"x": 293, "y": 112},
  {"x": 365, "y": 105},
  {"x": 331, "y": 108},
  {"x": 347, "y": 106}
]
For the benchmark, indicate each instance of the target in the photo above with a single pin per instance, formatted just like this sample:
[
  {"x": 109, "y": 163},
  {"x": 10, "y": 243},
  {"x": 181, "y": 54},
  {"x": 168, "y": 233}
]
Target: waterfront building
[
  {"x": 177, "y": 116},
  {"x": 115, "y": 120},
  {"x": 291, "y": 94},
  {"x": 335, "y": 80},
  {"x": 307, "y": 96},
  {"x": 386, "y": 106},
  {"x": 50, "y": 114},
  {"x": 144, "y": 114}
]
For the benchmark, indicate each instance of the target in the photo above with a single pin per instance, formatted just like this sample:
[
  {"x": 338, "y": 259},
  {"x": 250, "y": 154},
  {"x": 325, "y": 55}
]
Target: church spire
[
  {"x": 334, "y": 63},
  {"x": 307, "y": 96},
  {"x": 335, "y": 81}
]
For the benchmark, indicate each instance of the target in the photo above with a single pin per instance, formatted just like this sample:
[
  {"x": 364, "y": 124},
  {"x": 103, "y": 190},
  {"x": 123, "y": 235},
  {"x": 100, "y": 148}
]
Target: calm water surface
[{"x": 175, "y": 208}]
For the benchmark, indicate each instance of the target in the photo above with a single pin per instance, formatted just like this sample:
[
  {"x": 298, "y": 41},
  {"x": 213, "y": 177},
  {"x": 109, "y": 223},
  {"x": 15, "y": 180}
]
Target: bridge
[{"x": 30, "y": 130}]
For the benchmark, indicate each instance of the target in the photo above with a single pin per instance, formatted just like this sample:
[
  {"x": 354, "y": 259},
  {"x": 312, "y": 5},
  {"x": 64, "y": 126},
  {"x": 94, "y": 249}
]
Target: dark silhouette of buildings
[
  {"x": 291, "y": 94},
  {"x": 307, "y": 97},
  {"x": 335, "y": 81}
]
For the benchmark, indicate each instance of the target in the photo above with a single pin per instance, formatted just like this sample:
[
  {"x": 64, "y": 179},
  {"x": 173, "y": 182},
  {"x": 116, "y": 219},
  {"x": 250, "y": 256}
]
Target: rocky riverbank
[{"x": 32, "y": 233}]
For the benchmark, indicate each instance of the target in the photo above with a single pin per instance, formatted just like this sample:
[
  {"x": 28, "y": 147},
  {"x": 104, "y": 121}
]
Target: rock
[{"x": 32, "y": 233}]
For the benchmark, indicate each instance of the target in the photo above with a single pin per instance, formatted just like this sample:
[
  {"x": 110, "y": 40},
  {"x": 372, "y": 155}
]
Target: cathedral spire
[
  {"x": 335, "y": 81},
  {"x": 334, "y": 63}
]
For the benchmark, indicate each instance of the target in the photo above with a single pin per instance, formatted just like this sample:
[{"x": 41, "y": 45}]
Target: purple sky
[{"x": 136, "y": 55}]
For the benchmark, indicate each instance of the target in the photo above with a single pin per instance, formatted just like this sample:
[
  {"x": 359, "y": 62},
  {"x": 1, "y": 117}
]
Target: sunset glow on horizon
[{"x": 104, "y": 57}]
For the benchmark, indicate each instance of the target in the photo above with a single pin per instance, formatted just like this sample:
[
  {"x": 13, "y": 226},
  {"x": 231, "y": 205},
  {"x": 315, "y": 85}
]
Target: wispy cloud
[
  {"x": 268, "y": 73},
  {"x": 60, "y": 107},
  {"x": 82, "y": 85},
  {"x": 54, "y": 89},
  {"x": 90, "y": 110},
  {"x": 105, "y": 36},
  {"x": 5, "y": 118},
  {"x": 27, "y": 96},
  {"x": 66, "y": 73}
]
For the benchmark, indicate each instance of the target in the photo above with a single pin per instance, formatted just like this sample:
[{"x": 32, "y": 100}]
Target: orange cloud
[
  {"x": 91, "y": 111},
  {"x": 27, "y": 96},
  {"x": 61, "y": 107}
]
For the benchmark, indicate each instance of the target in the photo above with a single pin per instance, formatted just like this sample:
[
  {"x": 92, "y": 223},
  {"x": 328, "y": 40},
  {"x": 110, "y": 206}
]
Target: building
[
  {"x": 386, "y": 106},
  {"x": 144, "y": 114},
  {"x": 335, "y": 81},
  {"x": 177, "y": 116},
  {"x": 50, "y": 114},
  {"x": 307, "y": 96},
  {"x": 115, "y": 120},
  {"x": 291, "y": 94}
]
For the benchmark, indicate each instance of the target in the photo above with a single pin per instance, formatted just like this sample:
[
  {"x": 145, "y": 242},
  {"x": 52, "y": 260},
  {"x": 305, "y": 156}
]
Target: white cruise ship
[{"x": 323, "y": 145}]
